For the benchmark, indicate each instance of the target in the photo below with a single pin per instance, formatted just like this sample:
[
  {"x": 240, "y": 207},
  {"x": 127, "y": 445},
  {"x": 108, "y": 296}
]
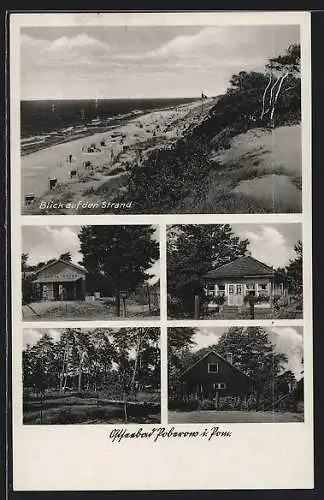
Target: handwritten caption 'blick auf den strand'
[{"x": 158, "y": 433}]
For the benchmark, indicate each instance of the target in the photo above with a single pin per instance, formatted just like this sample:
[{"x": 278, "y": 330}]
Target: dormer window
[{"x": 212, "y": 367}]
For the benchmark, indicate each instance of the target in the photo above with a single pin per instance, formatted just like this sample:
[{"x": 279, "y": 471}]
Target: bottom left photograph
[{"x": 91, "y": 376}]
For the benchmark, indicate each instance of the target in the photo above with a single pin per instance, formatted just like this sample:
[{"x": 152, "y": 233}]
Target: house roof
[
  {"x": 70, "y": 264},
  {"x": 212, "y": 351},
  {"x": 62, "y": 279},
  {"x": 240, "y": 268}
]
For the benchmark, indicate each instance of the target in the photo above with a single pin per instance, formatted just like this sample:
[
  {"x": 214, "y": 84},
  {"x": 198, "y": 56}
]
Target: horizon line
[{"x": 111, "y": 98}]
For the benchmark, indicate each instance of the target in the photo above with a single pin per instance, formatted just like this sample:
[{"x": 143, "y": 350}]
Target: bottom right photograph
[{"x": 235, "y": 374}]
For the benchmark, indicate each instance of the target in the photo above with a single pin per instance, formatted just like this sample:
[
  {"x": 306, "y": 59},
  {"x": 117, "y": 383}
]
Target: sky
[
  {"x": 148, "y": 61},
  {"x": 43, "y": 243},
  {"x": 286, "y": 339},
  {"x": 272, "y": 244}
]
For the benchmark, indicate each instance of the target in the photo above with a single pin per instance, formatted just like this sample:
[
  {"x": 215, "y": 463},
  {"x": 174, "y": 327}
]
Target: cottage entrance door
[
  {"x": 235, "y": 294},
  {"x": 239, "y": 295}
]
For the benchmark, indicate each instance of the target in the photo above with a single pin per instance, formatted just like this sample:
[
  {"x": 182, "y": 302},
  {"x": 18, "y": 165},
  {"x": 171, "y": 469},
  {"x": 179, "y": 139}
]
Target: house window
[
  {"x": 219, "y": 385},
  {"x": 231, "y": 289},
  {"x": 210, "y": 289},
  {"x": 239, "y": 289},
  {"x": 221, "y": 290},
  {"x": 262, "y": 289},
  {"x": 212, "y": 367},
  {"x": 250, "y": 289}
]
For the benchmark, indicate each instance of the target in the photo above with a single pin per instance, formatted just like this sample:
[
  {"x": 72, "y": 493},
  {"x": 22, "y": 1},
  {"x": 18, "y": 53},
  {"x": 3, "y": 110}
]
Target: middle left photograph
[{"x": 90, "y": 272}]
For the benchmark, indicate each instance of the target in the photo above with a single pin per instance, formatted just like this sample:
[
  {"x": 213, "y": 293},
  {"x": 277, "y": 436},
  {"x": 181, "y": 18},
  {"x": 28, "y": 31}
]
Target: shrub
[
  {"x": 207, "y": 404},
  {"x": 218, "y": 299},
  {"x": 257, "y": 300},
  {"x": 115, "y": 171},
  {"x": 184, "y": 405}
]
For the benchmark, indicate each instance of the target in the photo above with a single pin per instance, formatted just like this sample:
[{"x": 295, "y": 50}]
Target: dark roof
[
  {"x": 241, "y": 268},
  {"x": 71, "y": 264},
  {"x": 212, "y": 351}
]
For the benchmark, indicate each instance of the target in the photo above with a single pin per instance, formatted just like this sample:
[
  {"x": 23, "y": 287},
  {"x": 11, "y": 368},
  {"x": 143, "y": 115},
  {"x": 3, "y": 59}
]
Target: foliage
[
  {"x": 192, "y": 250},
  {"x": 294, "y": 271},
  {"x": 119, "y": 363},
  {"x": 253, "y": 353},
  {"x": 66, "y": 256},
  {"x": 180, "y": 342},
  {"x": 290, "y": 61},
  {"x": 118, "y": 256},
  {"x": 217, "y": 299},
  {"x": 256, "y": 299},
  {"x": 184, "y": 405}
]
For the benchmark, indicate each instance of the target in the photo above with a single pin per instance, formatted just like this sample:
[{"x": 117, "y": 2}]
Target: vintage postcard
[{"x": 161, "y": 251}]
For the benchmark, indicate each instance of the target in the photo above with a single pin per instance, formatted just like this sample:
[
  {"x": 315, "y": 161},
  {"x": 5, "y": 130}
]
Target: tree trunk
[
  {"x": 277, "y": 95},
  {"x": 125, "y": 408},
  {"x": 149, "y": 299},
  {"x": 135, "y": 365},
  {"x": 62, "y": 372},
  {"x": 65, "y": 382},
  {"x": 80, "y": 371},
  {"x": 197, "y": 307},
  {"x": 117, "y": 298},
  {"x": 80, "y": 377}
]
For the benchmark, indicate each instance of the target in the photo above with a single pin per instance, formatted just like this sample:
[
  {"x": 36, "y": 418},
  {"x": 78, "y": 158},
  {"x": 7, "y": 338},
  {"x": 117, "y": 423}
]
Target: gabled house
[
  {"x": 241, "y": 278},
  {"x": 213, "y": 377},
  {"x": 60, "y": 280}
]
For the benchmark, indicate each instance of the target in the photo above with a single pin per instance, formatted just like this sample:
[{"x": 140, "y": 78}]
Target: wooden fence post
[
  {"x": 124, "y": 307},
  {"x": 197, "y": 307},
  {"x": 251, "y": 307},
  {"x": 149, "y": 299}
]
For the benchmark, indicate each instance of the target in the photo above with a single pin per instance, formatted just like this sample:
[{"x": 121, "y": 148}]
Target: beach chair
[
  {"x": 29, "y": 199},
  {"x": 52, "y": 183}
]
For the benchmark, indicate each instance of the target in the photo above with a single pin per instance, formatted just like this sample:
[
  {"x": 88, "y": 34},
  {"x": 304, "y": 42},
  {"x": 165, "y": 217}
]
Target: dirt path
[{"x": 80, "y": 310}]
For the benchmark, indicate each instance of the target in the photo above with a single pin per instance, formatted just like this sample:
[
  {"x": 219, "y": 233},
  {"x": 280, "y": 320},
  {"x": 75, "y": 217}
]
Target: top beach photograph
[{"x": 160, "y": 119}]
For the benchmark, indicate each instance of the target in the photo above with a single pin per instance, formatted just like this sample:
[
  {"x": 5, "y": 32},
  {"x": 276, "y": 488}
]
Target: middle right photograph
[{"x": 235, "y": 271}]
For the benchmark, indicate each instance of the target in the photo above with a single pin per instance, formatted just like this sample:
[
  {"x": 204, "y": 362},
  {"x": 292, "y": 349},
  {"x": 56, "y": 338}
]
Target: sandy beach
[{"x": 79, "y": 167}]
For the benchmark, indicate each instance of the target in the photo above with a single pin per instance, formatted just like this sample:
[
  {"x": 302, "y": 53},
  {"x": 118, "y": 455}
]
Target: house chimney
[{"x": 229, "y": 357}]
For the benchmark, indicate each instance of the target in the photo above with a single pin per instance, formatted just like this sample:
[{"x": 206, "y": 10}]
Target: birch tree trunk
[
  {"x": 277, "y": 95},
  {"x": 125, "y": 408}
]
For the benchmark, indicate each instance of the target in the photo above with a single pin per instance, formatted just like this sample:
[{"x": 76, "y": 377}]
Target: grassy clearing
[
  {"x": 219, "y": 416},
  {"x": 62, "y": 409}
]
